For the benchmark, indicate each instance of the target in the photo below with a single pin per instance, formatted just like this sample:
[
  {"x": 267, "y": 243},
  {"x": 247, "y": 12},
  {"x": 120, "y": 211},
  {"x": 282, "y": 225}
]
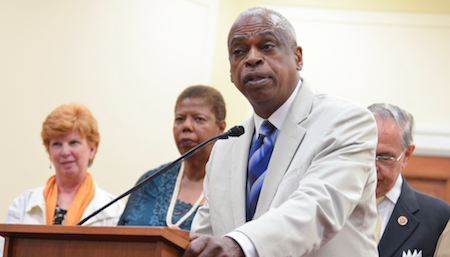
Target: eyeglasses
[{"x": 388, "y": 160}]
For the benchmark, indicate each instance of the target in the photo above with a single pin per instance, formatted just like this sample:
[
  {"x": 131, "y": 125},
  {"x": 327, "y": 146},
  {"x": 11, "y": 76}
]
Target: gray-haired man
[{"x": 410, "y": 221}]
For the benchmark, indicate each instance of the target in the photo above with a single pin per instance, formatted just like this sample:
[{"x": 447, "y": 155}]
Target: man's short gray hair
[
  {"x": 404, "y": 120},
  {"x": 279, "y": 21}
]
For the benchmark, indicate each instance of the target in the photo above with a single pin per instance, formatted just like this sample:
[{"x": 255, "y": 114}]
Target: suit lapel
[
  {"x": 239, "y": 163},
  {"x": 288, "y": 141},
  {"x": 395, "y": 234}
]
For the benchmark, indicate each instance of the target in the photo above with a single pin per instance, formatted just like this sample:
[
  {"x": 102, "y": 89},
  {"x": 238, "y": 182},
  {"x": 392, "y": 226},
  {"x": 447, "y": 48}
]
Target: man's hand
[{"x": 204, "y": 246}]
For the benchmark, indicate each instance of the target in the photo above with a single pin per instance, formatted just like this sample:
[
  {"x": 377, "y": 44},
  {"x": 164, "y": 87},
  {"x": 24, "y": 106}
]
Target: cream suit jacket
[
  {"x": 443, "y": 245},
  {"x": 318, "y": 196}
]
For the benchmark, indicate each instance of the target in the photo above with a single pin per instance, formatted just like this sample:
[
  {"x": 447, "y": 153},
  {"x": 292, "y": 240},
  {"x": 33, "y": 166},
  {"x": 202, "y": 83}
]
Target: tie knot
[
  {"x": 380, "y": 199},
  {"x": 266, "y": 128}
]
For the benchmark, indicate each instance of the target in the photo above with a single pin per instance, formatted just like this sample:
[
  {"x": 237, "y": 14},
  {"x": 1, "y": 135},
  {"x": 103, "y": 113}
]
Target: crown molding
[{"x": 432, "y": 142}]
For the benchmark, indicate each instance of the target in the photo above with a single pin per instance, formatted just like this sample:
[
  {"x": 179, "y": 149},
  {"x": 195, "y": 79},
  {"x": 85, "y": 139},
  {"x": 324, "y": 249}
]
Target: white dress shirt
[
  {"x": 386, "y": 207},
  {"x": 277, "y": 119}
]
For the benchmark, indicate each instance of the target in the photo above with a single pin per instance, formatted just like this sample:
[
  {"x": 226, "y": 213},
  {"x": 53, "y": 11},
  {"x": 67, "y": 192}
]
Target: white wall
[{"x": 125, "y": 60}]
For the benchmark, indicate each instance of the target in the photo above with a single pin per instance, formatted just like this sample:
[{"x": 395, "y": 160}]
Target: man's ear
[
  {"x": 298, "y": 57},
  {"x": 408, "y": 154}
]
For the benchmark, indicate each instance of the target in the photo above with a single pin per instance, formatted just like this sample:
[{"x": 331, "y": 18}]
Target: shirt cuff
[{"x": 244, "y": 242}]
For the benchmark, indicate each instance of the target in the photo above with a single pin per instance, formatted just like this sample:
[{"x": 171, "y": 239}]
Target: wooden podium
[{"x": 83, "y": 241}]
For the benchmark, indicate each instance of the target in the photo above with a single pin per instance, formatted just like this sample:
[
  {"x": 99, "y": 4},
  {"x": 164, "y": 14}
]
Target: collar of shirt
[
  {"x": 395, "y": 191},
  {"x": 386, "y": 207},
  {"x": 277, "y": 118},
  {"x": 36, "y": 199}
]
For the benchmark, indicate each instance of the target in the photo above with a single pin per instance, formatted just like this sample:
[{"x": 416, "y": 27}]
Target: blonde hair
[{"x": 68, "y": 118}]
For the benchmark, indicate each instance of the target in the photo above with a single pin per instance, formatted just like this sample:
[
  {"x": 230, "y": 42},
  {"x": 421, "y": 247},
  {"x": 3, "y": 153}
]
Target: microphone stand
[{"x": 235, "y": 131}]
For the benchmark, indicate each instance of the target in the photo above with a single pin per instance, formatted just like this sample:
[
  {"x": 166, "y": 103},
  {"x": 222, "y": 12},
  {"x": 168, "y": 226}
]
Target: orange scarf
[{"x": 83, "y": 198}]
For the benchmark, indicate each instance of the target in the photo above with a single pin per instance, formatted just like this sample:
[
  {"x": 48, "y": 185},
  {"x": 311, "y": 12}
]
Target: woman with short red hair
[{"x": 70, "y": 136}]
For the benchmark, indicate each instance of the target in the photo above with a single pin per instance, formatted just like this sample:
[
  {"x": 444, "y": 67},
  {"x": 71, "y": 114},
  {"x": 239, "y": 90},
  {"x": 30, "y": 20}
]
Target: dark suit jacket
[{"x": 427, "y": 217}]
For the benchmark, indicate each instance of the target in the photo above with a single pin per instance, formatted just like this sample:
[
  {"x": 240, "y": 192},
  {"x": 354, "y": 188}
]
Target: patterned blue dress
[{"x": 148, "y": 205}]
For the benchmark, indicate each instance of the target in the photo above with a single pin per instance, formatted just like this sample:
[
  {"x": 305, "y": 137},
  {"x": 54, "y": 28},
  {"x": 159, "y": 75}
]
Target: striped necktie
[
  {"x": 257, "y": 165},
  {"x": 378, "y": 226}
]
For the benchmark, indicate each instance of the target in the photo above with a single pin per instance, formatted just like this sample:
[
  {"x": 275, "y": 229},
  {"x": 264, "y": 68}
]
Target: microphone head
[
  {"x": 236, "y": 131},
  {"x": 233, "y": 132}
]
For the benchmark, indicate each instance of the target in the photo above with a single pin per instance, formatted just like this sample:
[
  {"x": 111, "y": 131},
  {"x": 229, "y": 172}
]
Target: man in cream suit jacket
[
  {"x": 318, "y": 194},
  {"x": 443, "y": 245}
]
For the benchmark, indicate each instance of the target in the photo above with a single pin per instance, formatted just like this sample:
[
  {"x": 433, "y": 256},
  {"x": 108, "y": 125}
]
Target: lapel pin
[{"x": 402, "y": 220}]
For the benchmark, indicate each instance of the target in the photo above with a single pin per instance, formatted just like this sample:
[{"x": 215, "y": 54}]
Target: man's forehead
[
  {"x": 254, "y": 25},
  {"x": 388, "y": 135},
  {"x": 256, "y": 20},
  {"x": 387, "y": 125},
  {"x": 250, "y": 32}
]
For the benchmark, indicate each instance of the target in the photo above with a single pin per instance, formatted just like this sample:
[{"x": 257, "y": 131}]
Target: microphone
[{"x": 235, "y": 131}]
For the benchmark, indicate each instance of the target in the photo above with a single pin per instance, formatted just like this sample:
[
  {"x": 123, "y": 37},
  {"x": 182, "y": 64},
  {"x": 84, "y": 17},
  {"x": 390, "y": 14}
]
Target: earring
[
  {"x": 90, "y": 163},
  {"x": 50, "y": 167}
]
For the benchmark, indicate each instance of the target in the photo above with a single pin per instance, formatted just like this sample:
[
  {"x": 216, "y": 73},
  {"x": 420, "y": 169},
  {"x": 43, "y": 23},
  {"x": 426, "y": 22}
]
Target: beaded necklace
[{"x": 176, "y": 190}]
